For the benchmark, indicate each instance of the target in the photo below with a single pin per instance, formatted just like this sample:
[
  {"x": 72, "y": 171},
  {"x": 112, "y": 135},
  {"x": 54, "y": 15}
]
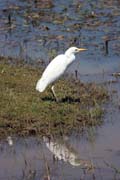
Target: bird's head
[{"x": 74, "y": 50}]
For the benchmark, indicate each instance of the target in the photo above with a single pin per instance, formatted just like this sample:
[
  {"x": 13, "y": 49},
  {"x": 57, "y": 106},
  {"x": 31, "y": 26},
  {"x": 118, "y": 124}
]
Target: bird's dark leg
[{"x": 54, "y": 94}]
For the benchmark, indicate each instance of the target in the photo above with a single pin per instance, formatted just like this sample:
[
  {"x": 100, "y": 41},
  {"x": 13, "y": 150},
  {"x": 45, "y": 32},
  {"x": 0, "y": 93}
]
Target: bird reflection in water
[{"x": 62, "y": 150}]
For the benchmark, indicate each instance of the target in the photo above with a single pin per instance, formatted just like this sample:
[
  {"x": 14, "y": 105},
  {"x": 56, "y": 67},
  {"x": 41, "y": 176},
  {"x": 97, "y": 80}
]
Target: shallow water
[
  {"x": 66, "y": 158},
  {"x": 35, "y": 34}
]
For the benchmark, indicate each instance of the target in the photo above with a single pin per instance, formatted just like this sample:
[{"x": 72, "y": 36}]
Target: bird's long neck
[
  {"x": 70, "y": 57},
  {"x": 68, "y": 53}
]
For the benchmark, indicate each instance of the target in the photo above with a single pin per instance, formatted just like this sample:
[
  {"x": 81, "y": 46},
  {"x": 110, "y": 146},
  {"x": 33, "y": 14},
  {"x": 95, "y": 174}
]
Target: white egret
[{"x": 56, "y": 69}]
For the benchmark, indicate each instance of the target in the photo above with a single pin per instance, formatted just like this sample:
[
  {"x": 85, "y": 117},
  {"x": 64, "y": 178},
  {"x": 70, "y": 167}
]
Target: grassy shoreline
[{"x": 24, "y": 111}]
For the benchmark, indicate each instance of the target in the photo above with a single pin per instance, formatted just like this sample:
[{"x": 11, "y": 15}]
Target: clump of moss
[{"x": 24, "y": 111}]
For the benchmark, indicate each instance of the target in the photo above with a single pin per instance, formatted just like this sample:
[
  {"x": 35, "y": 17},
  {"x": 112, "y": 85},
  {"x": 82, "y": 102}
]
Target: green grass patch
[{"x": 24, "y": 111}]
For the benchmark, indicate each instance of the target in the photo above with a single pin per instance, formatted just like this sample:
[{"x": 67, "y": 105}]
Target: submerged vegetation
[{"x": 24, "y": 111}]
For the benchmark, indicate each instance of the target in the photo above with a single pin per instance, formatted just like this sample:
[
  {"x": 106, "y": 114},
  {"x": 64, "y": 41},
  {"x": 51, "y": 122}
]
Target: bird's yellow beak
[{"x": 82, "y": 49}]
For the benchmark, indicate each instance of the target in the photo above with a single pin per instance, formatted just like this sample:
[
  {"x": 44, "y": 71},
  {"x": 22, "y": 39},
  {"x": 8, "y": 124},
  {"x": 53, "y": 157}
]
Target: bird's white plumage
[
  {"x": 53, "y": 71},
  {"x": 56, "y": 68}
]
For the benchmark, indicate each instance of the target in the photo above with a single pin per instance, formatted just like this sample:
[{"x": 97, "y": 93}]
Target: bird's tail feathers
[{"x": 41, "y": 85}]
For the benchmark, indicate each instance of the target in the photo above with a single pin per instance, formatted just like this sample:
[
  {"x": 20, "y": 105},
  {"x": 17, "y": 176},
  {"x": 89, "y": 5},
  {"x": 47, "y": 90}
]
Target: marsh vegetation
[{"x": 27, "y": 112}]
